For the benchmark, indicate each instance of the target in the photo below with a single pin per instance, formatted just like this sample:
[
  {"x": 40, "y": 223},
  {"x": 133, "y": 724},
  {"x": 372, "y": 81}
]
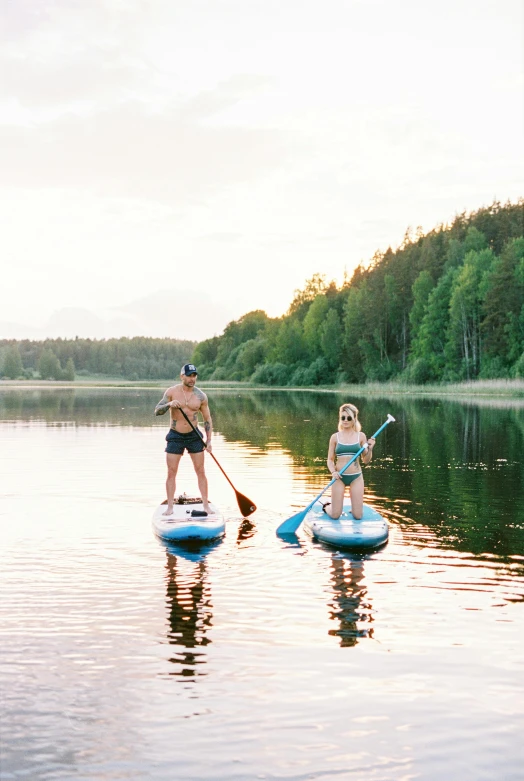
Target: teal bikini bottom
[{"x": 348, "y": 479}]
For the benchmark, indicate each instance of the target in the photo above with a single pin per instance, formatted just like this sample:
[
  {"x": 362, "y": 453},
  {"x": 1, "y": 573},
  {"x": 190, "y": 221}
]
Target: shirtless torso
[{"x": 191, "y": 400}]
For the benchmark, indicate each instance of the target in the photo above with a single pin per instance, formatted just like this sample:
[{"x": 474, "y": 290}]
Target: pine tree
[
  {"x": 428, "y": 348},
  {"x": 502, "y": 305},
  {"x": 312, "y": 324},
  {"x": 69, "y": 371},
  {"x": 13, "y": 363},
  {"x": 356, "y": 331},
  {"x": 49, "y": 366},
  {"x": 330, "y": 339},
  {"x": 463, "y": 347},
  {"x": 422, "y": 287}
]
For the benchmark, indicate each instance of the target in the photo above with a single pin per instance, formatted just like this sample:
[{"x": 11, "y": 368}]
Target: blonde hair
[{"x": 354, "y": 410}]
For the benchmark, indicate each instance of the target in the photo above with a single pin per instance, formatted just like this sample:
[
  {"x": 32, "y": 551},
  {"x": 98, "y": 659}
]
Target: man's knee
[{"x": 199, "y": 467}]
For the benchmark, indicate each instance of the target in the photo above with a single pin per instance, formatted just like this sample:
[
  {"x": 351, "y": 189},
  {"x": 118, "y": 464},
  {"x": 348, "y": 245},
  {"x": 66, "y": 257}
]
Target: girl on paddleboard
[{"x": 343, "y": 445}]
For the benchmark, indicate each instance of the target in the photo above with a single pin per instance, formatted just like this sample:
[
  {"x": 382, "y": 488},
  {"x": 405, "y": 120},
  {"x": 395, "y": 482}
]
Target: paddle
[
  {"x": 291, "y": 525},
  {"x": 245, "y": 505}
]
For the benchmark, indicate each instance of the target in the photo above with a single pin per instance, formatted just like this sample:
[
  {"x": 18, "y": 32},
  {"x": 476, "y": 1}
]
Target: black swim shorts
[{"x": 177, "y": 442}]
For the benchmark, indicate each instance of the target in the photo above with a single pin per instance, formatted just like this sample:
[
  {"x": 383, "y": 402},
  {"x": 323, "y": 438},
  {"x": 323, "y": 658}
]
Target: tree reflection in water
[
  {"x": 189, "y": 612},
  {"x": 349, "y": 606}
]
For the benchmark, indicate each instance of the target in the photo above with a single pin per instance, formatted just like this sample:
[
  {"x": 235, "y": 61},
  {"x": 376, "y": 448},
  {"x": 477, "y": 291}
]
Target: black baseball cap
[{"x": 188, "y": 369}]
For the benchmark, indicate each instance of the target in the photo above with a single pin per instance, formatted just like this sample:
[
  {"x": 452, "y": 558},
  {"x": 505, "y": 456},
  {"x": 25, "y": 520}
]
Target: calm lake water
[{"x": 256, "y": 658}]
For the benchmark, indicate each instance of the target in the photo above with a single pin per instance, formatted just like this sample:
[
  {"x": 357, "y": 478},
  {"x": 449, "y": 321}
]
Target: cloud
[
  {"x": 68, "y": 322},
  {"x": 68, "y": 51},
  {"x": 174, "y": 313},
  {"x": 12, "y": 330},
  {"x": 177, "y": 313},
  {"x": 89, "y": 75},
  {"x": 226, "y": 237},
  {"x": 130, "y": 150}
]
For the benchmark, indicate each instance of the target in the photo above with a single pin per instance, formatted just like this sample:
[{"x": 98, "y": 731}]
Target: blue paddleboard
[
  {"x": 371, "y": 531},
  {"x": 186, "y": 525}
]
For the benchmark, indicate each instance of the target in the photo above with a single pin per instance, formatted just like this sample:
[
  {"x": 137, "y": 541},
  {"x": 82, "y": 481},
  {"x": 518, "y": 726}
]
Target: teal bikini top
[{"x": 347, "y": 450}]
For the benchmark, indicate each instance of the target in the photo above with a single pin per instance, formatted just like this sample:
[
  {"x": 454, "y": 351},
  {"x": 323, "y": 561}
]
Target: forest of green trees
[
  {"x": 62, "y": 359},
  {"x": 445, "y": 306}
]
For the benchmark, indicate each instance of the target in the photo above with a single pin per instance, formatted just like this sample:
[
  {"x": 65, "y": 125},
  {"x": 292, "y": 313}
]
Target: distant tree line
[
  {"x": 139, "y": 358},
  {"x": 445, "y": 306}
]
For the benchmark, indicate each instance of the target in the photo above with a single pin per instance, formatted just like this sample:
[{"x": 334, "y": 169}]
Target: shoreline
[{"x": 483, "y": 388}]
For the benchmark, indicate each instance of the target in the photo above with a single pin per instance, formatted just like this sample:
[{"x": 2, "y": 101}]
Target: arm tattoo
[
  {"x": 208, "y": 425},
  {"x": 162, "y": 406},
  {"x": 201, "y": 396}
]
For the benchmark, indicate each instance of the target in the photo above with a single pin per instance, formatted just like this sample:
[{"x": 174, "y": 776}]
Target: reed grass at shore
[{"x": 487, "y": 388}]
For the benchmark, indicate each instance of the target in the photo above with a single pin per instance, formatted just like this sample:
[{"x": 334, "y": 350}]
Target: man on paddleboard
[{"x": 188, "y": 398}]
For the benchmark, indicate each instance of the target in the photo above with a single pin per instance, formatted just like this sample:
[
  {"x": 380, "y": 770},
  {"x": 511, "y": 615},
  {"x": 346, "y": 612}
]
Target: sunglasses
[{"x": 349, "y": 417}]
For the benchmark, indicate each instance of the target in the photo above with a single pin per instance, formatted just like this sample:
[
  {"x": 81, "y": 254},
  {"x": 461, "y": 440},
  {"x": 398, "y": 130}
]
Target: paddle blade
[
  {"x": 245, "y": 505},
  {"x": 291, "y": 525}
]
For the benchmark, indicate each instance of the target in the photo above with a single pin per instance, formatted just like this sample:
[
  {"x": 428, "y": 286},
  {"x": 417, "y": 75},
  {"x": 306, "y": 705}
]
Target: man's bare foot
[
  {"x": 168, "y": 511},
  {"x": 207, "y": 508}
]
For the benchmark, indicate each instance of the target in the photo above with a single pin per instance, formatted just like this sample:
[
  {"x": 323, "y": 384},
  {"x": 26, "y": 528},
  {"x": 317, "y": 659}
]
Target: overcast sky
[{"x": 167, "y": 167}]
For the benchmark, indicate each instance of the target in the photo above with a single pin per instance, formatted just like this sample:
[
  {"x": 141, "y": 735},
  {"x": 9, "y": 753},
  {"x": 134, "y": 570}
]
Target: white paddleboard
[
  {"x": 371, "y": 531},
  {"x": 183, "y": 525}
]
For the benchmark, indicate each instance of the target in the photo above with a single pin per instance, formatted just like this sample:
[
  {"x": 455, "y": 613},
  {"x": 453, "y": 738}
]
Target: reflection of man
[
  {"x": 187, "y": 397},
  {"x": 189, "y": 613}
]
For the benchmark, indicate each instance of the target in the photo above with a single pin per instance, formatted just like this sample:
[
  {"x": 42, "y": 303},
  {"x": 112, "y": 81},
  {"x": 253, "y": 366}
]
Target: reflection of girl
[
  {"x": 349, "y": 606},
  {"x": 343, "y": 445}
]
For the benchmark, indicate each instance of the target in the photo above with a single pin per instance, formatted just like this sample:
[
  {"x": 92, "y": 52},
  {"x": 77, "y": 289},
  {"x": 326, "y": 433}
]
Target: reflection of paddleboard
[
  {"x": 187, "y": 523},
  {"x": 371, "y": 531},
  {"x": 191, "y": 550}
]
